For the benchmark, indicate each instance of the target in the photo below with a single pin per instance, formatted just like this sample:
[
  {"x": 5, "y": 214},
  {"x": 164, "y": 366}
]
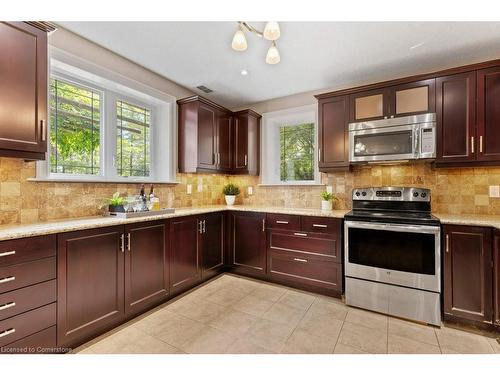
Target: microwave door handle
[{"x": 416, "y": 134}]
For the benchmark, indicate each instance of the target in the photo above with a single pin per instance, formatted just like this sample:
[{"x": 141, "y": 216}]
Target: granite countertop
[
  {"x": 59, "y": 226},
  {"x": 68, "y": 225}
]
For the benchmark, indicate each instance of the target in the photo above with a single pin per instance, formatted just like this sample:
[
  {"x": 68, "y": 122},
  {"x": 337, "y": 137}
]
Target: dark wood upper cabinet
[
  {"x": 496, "y": 278},
  {"x": 413, "y": 98},
  {"x": 468, "y": 273},
  {"x": 370, "y": 105},
  {"x": 488, "y": 114},
  {"x": 146, "y": 265},
  {"x": 212, "y": 244},
  {"x": 333, "y": 133},
  {"x": 23, "y": 91},
  {"x": 248, "y": 243},
  {"x": 184, "y": 256},
  {"x": 246, "y": 142},
  {"x": 214, "y": 139},
  {"x": 90, "y": 283},
  {"x": 456, "y": 118}
]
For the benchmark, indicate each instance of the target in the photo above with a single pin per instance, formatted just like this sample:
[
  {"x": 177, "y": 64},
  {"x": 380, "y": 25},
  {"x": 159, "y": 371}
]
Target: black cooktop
[{"x": 393, "y": 217}]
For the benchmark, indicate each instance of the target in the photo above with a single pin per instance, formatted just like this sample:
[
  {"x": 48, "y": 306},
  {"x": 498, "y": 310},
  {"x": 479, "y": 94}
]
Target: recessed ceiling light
[{"x": 244, "y": 72}]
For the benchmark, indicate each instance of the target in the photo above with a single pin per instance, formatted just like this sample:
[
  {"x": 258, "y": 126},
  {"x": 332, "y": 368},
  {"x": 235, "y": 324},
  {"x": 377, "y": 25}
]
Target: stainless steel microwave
[{"x": 393, "y": 139}]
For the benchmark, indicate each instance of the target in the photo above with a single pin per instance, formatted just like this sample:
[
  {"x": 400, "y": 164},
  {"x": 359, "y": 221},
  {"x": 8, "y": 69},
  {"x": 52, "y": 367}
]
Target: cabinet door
[
  {"x": 184, "y": 259},
  {"x": 488, "y": 114},
  {"x": 224, "y": 146},
  {"x": 23, "y": 88},
  {"x": 413, "y": 98},
  {"x": 146, "y": 265},
  {"x": 369, "y": 105},
  {"x": 241, "y": 144},
  {"x": 90, "y": 283},
  {"x": 456, "y": 117},
  {"x": 496, "y": 279},
  {"x": 212, "y": 244},
  {"x": 467, "y": 273},
  {"x": 207, "y": 130},
  {"x": 249, "y": 242},
  {"x": 333, "y": 133}
]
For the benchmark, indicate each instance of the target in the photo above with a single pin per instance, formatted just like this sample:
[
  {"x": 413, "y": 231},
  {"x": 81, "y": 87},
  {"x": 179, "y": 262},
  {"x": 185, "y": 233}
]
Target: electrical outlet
[
  {"x": 495, "y": 191},
  {"x": 189, "y": 188},
  {"x": 200, "y": 188},
  {"x": 329, "y": 189},
  {"x": 250, "y": 190}
]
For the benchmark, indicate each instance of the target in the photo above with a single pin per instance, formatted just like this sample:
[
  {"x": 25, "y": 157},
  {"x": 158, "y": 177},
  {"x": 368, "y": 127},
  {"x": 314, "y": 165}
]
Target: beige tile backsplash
[{"x": 454, "y": 191}]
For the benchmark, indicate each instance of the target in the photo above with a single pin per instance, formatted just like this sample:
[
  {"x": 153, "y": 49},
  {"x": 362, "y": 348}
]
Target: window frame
[
  {"x": 270, "y": 141},
  {"x": 114, "y": 87}
]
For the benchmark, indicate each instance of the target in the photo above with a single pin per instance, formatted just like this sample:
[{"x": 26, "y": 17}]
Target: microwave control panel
[{"x": 427, "y": 140}]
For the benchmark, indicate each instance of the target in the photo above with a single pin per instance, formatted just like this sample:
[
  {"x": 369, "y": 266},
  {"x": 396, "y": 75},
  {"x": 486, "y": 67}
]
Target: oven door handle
[{"x": 394, "y": 227}]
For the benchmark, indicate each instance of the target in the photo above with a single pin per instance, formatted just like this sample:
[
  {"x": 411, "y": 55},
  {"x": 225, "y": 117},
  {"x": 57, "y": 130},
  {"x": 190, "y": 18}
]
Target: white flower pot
[
  {"x": 326, "y": 205},
  {"x": 230, "y": 199}
]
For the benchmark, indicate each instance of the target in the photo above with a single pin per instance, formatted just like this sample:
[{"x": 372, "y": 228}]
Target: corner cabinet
[
  {"x": 23, "y": 90},
  {"x": 468, "y": 273},
  {"x": 213, "y": 139},
  {"x": 333, "y": 133}
]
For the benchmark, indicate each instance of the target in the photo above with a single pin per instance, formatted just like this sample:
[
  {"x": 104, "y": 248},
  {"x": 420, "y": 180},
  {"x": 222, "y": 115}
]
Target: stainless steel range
[{"x": 393, "y": 253}]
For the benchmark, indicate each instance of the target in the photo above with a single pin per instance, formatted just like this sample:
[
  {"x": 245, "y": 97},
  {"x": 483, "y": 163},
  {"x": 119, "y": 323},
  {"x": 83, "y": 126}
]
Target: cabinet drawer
[
  {"x": 325, "y": 225},
  {"x": 37, "y": 343},
  {"x": 26, "y": 249},
  {"x": 25, "y": 299},
  {"x": 281, "y": 221},
  {"x": 23, "y": 325},
  {"x": 305, "y": 242},
  {"x": 315, "y": 270},
  {"x": 24, "y": 274}
]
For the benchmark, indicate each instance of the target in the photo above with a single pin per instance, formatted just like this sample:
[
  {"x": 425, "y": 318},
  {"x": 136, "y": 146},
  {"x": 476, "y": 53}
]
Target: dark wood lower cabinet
[
  {"x": 468, "y": 273},
  {"x": 90, "y": 283},
  {"x": 496, "y": 278},
  {"x": 212, "y": 244},
  {"x": 146, "y": 265},
  {"x": 248, "y": 243},
  {"x": 184, "y": 257}
]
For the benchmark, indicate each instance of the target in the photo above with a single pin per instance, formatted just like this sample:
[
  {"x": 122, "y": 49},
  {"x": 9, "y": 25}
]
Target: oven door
[
  {"x": 398, "y": 254},
  {"x": 384, "y": 144}
]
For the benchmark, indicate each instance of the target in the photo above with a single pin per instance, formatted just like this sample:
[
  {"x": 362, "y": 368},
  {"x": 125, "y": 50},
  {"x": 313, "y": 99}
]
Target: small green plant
[
  {"x": 231, "y": 189},
  {"x": 326, "y": 196},
  {"x": 115, "y": 200}
]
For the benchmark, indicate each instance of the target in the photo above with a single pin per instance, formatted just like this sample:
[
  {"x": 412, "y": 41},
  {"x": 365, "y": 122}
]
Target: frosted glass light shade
[
  {"x": 272, "y": 30},
  {"x": 273, "y": 55},
  {"x": 239, "y": 41}
]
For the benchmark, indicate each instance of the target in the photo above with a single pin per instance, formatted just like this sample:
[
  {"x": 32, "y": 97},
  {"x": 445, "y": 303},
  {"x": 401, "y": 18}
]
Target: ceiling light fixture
[
  {"x": 244, "y": 72},
  {"x": 271, "y": 32}
]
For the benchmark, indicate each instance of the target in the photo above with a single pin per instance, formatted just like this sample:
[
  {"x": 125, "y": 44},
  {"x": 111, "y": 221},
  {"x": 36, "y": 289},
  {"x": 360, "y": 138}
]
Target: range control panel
[{"x": 389, "y": 193}]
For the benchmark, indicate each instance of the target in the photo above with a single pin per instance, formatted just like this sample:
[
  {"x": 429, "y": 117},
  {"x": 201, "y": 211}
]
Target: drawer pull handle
[
  {"x": 301, "y": 234},
  {"x": 7, "y": 253},
  {"x": 6, "y": 306},
  {"x": 281, "y": 222},
  {"x": 7, "y": 279},
  {"x": 300, "y": 260},
  {"x": 320, "y": 226},
  {"x": 7, "y": 332}
]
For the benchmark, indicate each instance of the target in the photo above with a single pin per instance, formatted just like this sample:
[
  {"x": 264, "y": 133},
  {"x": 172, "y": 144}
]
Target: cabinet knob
[
  {"x": 6, "y": 253},
  {"x": 6, "y": 306},
  {"x": 447, "y": 243},
  {"x": 42, "y": 129},
  {"x": 7, "y": 279},
  {"x": 7, "y": 332},
  {"x": 472, "y": 144},
  {"x": 128, "y": 241}
]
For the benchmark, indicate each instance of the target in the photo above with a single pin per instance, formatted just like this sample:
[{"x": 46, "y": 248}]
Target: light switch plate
[
  {"x": 495, "y": 191},
  {"x": 250, "y": 190},
  {"x": 200, "y": 188},
  {"x": 329, "y": 189},
  {"x": 189, "y": 188}
]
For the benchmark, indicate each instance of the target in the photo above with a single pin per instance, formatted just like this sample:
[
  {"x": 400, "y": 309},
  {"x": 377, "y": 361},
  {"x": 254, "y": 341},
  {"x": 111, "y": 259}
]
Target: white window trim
[
  {"x": 116, "y": 86},
  {"x": 271, "y": 122}
]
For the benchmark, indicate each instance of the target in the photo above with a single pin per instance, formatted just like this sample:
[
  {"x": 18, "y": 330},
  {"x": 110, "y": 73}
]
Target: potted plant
[
  {"x": 115, "y": 203},
  {"x": 231, "y": 191},
  {"x": 327, "y": 200}
]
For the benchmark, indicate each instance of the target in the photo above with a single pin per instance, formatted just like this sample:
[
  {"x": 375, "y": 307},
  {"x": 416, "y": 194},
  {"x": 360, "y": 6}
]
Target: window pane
[
  {"x": 297, "y": 152},
  {"x": 132, "y": 143},
  {"x": 74, "y": 128}
]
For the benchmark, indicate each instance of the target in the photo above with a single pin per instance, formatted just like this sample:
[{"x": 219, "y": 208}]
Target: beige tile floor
[{"x": 238, "y": 315}]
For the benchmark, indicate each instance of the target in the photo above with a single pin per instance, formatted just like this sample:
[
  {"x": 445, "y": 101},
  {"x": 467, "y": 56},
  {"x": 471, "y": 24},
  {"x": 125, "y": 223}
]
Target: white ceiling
[{"x": 314, "y": 55}]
